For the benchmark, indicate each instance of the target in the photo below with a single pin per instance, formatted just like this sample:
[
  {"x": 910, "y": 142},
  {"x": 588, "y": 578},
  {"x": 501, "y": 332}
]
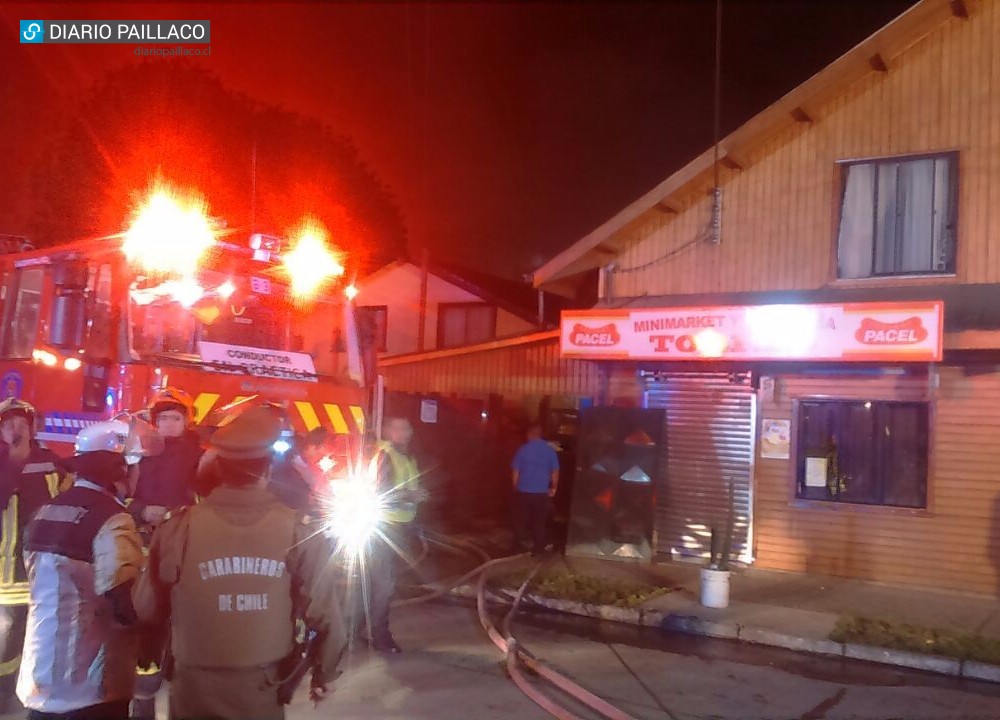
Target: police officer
[
  {"x": 83, "y": 552},
  {"x": 166, "y": 482},
  {"x": 230, "y": 576},
  {"x": 29, "y": 478},
  {"x": 399, "y": 485}
]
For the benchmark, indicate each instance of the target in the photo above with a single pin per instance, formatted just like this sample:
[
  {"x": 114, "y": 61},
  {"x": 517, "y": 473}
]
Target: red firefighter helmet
[{"x": 171, "y": 398}]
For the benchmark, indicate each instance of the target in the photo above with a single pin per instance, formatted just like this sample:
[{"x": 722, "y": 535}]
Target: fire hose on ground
[{"x": 515, "y": 654}]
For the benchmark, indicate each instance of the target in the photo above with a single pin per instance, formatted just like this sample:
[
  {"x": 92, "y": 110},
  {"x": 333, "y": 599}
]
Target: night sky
[{"x": 505, "y": 131}]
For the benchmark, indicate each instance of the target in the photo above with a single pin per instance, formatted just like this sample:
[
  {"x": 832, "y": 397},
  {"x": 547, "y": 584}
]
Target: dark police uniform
[{"x": 231, "y": 576}]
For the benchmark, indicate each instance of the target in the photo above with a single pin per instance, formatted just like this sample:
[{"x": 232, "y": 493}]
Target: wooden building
[
  {"x": 413, "y": 308},
  {"x": 872, "y": 188}
]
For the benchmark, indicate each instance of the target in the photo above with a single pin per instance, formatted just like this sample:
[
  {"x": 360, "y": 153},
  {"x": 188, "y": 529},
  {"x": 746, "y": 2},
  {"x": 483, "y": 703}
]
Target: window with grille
[
  {"x": 862, "y": 452},
  {"x": 898, "y": 217}
]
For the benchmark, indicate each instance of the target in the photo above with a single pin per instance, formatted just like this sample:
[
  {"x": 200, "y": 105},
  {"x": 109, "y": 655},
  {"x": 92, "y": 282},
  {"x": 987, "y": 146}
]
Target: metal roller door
[{"x": 710, "y": 442}]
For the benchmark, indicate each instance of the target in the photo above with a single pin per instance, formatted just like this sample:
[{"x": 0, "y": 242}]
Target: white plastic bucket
[{"x": 714, "y": 588}]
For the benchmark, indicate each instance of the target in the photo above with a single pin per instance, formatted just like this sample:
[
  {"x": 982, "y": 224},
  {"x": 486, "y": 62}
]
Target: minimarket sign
[{"x": 854, "y": 332}]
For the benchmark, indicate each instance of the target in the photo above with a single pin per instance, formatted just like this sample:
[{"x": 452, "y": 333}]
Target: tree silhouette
[{"x": 178, "y": 123}]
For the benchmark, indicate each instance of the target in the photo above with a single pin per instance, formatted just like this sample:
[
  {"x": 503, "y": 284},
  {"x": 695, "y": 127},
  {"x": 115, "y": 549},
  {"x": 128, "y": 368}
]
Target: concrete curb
[{"x": 694, "y": 625}]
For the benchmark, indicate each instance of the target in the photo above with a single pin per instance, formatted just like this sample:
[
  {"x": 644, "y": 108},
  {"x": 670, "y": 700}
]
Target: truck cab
[{"x": 86, "y": 334}]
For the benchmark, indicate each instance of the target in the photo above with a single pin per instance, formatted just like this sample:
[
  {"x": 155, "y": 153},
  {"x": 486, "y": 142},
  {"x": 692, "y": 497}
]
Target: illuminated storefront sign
[{"x": 853, "y": 332}]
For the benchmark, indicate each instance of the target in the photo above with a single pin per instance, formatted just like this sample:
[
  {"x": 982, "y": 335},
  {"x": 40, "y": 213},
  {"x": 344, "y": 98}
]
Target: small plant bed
[
  {"x": 566, "y": 585},
  {"x": 903, "y": 636}
]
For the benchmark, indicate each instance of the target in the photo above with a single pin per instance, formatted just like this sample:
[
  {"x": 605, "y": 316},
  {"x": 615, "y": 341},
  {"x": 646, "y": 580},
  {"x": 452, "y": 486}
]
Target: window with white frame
[{"x": 898, "y": 217}]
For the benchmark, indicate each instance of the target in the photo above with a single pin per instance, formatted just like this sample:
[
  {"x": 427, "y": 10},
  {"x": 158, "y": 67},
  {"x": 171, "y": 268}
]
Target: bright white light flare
[
  {"x": 311, "y": 263},
  {"x": 782, "y": 330},
  {"x": 356, "y": 511},
  {"x": 711, "y": 343},
  {"x": 169, "y": 233},
  {"x": 351, "y": 291},
  {"x": 44, "y": 357}
]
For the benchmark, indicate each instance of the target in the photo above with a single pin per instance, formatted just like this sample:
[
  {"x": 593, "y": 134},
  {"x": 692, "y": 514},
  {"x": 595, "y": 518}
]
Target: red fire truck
[{"x": 87, "y": 331}]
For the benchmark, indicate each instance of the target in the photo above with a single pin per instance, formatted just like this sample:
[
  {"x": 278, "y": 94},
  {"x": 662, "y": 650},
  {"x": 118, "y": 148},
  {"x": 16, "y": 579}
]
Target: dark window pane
[
  {"x": 465, "y": 324},
  {"x": 856, "y": 480},
  {"x": 816, "y": 429},
  {"x": 904, "y": 431},
  {"x": 452, "y": 326},
  {"x": 875, "y": 453},
  {"x": 376, "y": 320},
  {"x": 479, "y": 327},
  {"x": 24, "y": 324}
]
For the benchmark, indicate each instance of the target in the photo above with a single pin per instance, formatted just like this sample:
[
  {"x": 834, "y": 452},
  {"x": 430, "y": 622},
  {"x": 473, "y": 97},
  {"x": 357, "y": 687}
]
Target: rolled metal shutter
[{"x": 710, "y": 442}]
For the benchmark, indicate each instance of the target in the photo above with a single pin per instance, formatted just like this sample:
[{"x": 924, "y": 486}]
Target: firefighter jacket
[
  {"x": 397, "y": 474},
  {"x": 232, "y": 574},
  {"x": 167, "y": 479},
  {"x": 23, "y": 489},
  {"x": 81, "y": 550}
]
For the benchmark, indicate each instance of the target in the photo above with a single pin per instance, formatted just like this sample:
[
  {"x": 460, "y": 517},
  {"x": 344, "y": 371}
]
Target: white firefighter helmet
[{"x": 125, "y": 434}]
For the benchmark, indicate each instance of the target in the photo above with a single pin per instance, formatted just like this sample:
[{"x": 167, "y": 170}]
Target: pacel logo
[
  {"x": 604, "y": 336},
  {"x": 32, "y": 31},
  {"x": 907, "y": 332}
]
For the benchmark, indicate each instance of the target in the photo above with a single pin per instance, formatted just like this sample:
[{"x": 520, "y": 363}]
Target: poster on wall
[
  {"x": 816, "y": 469},
  {"x": 776, "y": 439},
  {"x": 851, "y": 332},
  {"x": 428, "y": 411}
]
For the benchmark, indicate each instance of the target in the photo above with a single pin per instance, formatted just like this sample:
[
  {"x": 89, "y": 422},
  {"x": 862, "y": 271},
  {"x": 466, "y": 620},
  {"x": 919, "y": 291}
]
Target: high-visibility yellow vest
[{"x": 404, "y": 474}]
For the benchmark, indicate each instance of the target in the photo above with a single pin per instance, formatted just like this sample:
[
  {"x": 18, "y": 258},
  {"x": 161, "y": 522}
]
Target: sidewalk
[{"x": 793, "y": 611}]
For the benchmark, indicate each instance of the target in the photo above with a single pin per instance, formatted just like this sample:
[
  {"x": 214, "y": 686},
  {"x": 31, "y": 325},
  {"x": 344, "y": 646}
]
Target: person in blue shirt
[{"x": 535, "y": 477}]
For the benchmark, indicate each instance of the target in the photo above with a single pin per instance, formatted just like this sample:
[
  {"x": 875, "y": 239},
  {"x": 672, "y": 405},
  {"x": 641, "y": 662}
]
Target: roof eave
[{"x": 796, "y": 106}]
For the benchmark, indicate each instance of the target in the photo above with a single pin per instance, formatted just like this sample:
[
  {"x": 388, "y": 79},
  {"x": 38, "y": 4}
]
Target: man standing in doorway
[{"x": 535, "y": 478}]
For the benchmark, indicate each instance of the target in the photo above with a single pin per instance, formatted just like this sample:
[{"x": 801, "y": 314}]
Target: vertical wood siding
[
  {"x": 519, "y": 370},
  {"x": 955, "y": 544},
  {"x": 779, "y": 214}
]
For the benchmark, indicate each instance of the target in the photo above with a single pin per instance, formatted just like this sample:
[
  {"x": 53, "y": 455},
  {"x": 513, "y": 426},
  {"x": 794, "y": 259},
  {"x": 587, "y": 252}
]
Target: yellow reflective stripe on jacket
[
  {"x": 52, "y": 480},
  {"x": 404, "y": 473},
  {"x": 9, "y": 667},
  {"x": 15, "y": 594},
  {"x": 8, "y": 542}
]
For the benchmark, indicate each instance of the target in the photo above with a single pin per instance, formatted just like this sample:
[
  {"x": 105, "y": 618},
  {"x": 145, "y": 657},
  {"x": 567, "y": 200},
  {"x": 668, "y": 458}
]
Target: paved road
[{"x": 449, "y": 670}]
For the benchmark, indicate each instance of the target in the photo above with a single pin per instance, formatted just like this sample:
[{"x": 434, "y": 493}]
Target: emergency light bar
[{"x": 268, "y": 243}]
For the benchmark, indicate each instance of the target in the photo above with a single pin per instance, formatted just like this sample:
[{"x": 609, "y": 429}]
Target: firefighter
[
  {"x": 29, "y": 478},
  {"x": 230, "y": 576},
  {"x": 83, "y": 552},
  {"x": 166, "y": 482},
  {"x": 398, "y": 483}
]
